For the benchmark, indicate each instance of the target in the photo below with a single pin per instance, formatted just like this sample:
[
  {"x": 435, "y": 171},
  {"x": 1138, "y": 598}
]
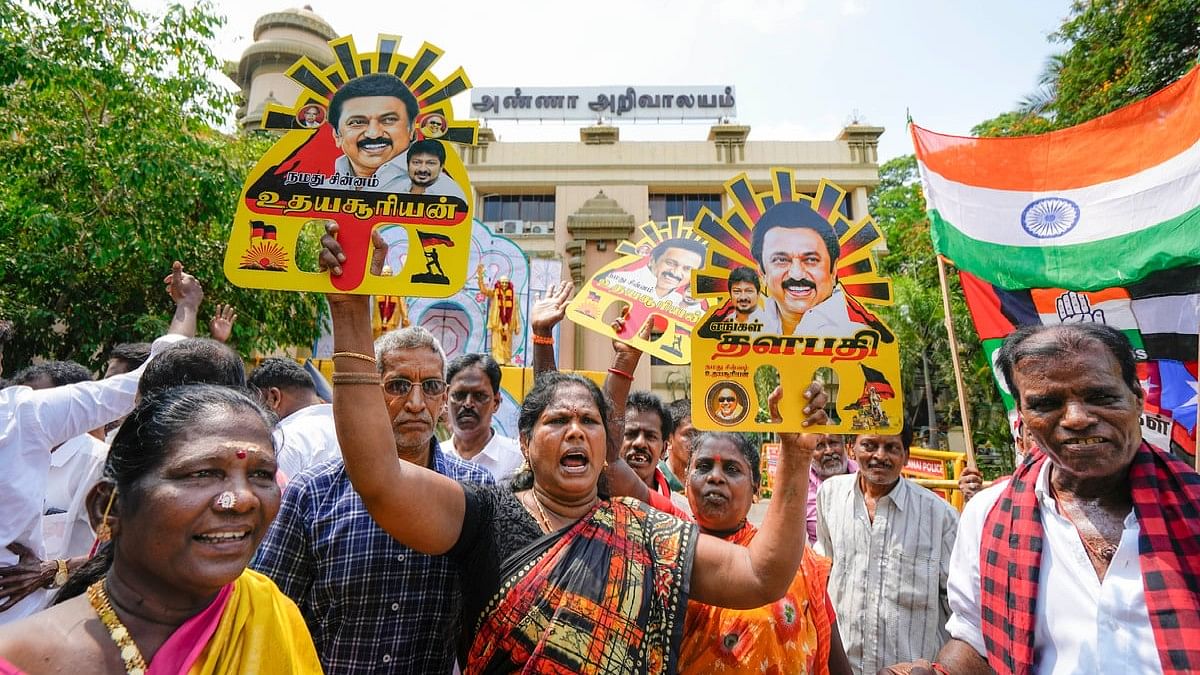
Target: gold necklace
[
  {"x": 134, "y": 663},
  {"x": 537, "y": 504}
]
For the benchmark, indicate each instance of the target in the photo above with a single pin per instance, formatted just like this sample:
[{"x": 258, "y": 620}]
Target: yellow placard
[
  {"x": 790, "y": 279},
  {"x": 370, "y": 142},
  {"x": 652, "y": 278}
]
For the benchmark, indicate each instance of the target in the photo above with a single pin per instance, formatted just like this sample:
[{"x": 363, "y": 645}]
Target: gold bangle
[
  {"x": 356, "y": 378},
  {"x": 62, "y": 574},
  {"x": 355, "y": 355}
]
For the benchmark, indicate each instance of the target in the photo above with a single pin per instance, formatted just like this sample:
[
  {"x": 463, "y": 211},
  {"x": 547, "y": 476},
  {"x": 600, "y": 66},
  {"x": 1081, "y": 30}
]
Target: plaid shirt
[{"x": 371, "y": 604}]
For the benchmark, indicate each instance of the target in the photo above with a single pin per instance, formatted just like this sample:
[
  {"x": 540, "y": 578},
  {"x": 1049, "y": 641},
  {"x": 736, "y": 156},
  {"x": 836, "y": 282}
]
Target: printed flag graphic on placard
[{"x": 1094, "y": 206}]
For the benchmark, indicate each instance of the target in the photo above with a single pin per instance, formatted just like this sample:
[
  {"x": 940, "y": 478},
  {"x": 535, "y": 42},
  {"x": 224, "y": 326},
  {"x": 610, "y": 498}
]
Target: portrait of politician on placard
[
  {"x": 649, "y": 283},
  {"x": 790, "y": 281},
  {"x": 370, "y": 142}
]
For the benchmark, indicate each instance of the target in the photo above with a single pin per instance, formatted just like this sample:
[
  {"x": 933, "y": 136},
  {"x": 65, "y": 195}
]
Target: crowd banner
[
  {"x": 370, "y": 141},
  {"x": 788, "y": 279},
  {"x": 1093, "y": 206},
  {"x": 650, "y": 282}
]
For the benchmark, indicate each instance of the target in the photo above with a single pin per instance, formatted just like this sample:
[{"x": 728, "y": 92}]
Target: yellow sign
[
  {"x": 652, "y": 280},
  {"x": 790, "y": 278},
  {"x": 370, "y": 141}
]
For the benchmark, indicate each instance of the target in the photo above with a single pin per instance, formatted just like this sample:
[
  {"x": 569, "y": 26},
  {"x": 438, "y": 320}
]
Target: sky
[{"x": 802, "y": 69}]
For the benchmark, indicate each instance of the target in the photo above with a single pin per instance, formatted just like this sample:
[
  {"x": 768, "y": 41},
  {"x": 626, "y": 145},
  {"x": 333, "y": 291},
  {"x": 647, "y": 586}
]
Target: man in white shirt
[
  {"x": 890, "y": 541},
  {"x": 474, "y": 395},
  {"x": 304, "y": 435},
  {"x": 74, "y": 467},
  {"x": 33, "y": 422},
  {"x": 1088, "y": 559}
]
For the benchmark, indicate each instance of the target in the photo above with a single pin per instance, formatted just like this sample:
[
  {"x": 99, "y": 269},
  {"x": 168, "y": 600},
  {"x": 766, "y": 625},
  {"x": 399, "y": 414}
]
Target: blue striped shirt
[{"x": 371, "y": 604}]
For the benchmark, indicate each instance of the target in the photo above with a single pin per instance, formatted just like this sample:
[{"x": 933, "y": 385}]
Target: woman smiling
[{"x": 188, "y": 491}]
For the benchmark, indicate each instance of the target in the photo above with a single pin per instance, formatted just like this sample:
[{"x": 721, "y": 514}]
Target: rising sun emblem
[{"x": 265, "y": 255}]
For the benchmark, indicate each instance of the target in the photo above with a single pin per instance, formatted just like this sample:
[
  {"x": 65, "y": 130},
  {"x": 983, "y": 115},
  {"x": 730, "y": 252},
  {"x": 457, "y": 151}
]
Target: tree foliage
[
  {"x": 108, "y": 123},
  {"x": 1116, "y": 52},
  {"x": 1121, "y": 51},
  {"x": 918, "y": 317}
]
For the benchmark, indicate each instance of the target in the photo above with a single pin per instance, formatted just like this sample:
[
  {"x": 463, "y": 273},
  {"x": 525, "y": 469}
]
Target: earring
[{"x": 104, "y": 532}]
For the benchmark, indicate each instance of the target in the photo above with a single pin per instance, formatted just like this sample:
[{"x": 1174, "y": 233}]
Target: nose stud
[{"x": 226, "y": 501}]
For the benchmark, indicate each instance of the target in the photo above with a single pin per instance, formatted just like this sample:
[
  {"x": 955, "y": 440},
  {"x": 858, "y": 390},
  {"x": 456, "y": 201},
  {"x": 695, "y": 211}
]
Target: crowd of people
[{"x": 179, "y": 516}]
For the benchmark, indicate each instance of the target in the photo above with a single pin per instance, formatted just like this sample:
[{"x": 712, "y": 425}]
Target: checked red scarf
[{"x": 1166, "y": 501}]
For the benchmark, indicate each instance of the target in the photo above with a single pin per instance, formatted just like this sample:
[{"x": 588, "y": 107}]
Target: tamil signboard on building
[{"x": 610, "y": 103}]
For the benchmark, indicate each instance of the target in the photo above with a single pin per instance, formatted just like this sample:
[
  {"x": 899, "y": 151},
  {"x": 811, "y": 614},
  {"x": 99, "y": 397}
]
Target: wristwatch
[{"x": 60, "y": 577}]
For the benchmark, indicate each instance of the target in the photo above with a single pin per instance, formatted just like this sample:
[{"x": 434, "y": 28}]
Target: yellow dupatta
[{"x": 261, "y": 631}]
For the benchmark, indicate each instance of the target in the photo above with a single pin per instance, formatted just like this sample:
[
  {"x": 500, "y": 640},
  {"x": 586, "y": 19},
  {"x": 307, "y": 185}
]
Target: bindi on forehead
[{"x": 241, "y": 450}]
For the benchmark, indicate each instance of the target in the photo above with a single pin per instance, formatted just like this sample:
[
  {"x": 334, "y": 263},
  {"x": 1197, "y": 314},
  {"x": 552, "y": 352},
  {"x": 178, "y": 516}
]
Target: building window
[
  {"x": 519, "y": 214},
  {"x": 688, "y": 206}
]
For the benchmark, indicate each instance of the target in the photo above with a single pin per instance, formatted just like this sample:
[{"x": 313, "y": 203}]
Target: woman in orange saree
[{"x": 796, "y": 634}]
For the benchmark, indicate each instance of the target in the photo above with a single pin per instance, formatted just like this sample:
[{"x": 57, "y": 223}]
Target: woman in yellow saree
[{"x": 188, "y": 491}]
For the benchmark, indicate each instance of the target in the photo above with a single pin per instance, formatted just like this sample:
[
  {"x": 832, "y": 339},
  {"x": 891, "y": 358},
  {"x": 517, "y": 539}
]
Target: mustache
[
  {"x": 467, "y": 413},
  {"x": 374, "y": 141},
  {"x": 799, "y": 283}
]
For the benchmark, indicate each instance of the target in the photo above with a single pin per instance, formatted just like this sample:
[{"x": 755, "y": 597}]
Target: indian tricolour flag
[{"x": 1094, "y": 206}]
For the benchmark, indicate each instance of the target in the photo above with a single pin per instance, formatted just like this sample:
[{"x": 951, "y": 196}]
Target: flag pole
[{"x": 958, "y": 379}]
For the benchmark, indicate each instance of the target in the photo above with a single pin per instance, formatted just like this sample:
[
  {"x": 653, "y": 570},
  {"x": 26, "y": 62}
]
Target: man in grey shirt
[{"x": 890, "y": 541}]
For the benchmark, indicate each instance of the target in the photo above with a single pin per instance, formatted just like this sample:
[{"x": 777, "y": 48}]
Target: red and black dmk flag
[
  {"x": 430, "y": 239},
  {"x": 874, "y": 379},
  {"x": 261, "y": 230}
]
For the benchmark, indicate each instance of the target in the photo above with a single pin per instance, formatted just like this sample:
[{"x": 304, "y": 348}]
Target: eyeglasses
[
  {"x": 726, "y": 399},
  {"x": 402, "y": 387},
  {"x": 477, "y": 397}
]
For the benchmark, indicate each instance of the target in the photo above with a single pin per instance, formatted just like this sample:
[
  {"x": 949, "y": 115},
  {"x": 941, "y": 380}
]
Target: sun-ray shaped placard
[
  {"x": 788, "y": 279},
  {"x": 370, "y": 142},
  {"x": 652, "y": 278}
]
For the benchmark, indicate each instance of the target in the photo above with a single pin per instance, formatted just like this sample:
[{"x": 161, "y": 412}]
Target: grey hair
[{"x": 403, "y": 339}]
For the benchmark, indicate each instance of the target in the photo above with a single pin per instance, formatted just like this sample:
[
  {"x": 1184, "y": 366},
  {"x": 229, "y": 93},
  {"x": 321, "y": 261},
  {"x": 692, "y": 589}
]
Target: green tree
[
  {"x": 1121, "y": 51},
  {"x": 918, "y": 317},
  {"x": 1116, "y": 52},
  {"x": 108, "y": 123}
]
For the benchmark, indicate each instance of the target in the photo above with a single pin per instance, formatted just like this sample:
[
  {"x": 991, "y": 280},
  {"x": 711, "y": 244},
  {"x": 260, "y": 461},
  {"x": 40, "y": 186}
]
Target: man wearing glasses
[
  {"x": 474, "y": 397},
  {"x": 372, "y": 604}
]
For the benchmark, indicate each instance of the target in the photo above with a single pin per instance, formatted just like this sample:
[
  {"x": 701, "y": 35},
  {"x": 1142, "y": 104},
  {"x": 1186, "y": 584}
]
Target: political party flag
[
  {"x": 1159, "y": 314},
  {"x": 429, "y": 239},
  {"x": 1094, "y": 206}
]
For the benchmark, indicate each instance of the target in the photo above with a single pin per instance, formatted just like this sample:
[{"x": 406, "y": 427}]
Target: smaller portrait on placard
[
  {"x": 432, "y": 125},
  {"x": 426, "y": 161},
  {"x": 311, "y": 116},
  {"x": 727, "y": 403},
  {"x": 653, "y": 279}
]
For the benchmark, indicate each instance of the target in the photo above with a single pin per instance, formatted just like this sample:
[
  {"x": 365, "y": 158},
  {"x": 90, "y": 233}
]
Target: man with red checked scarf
[{"x": 1088, "y": 559}]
